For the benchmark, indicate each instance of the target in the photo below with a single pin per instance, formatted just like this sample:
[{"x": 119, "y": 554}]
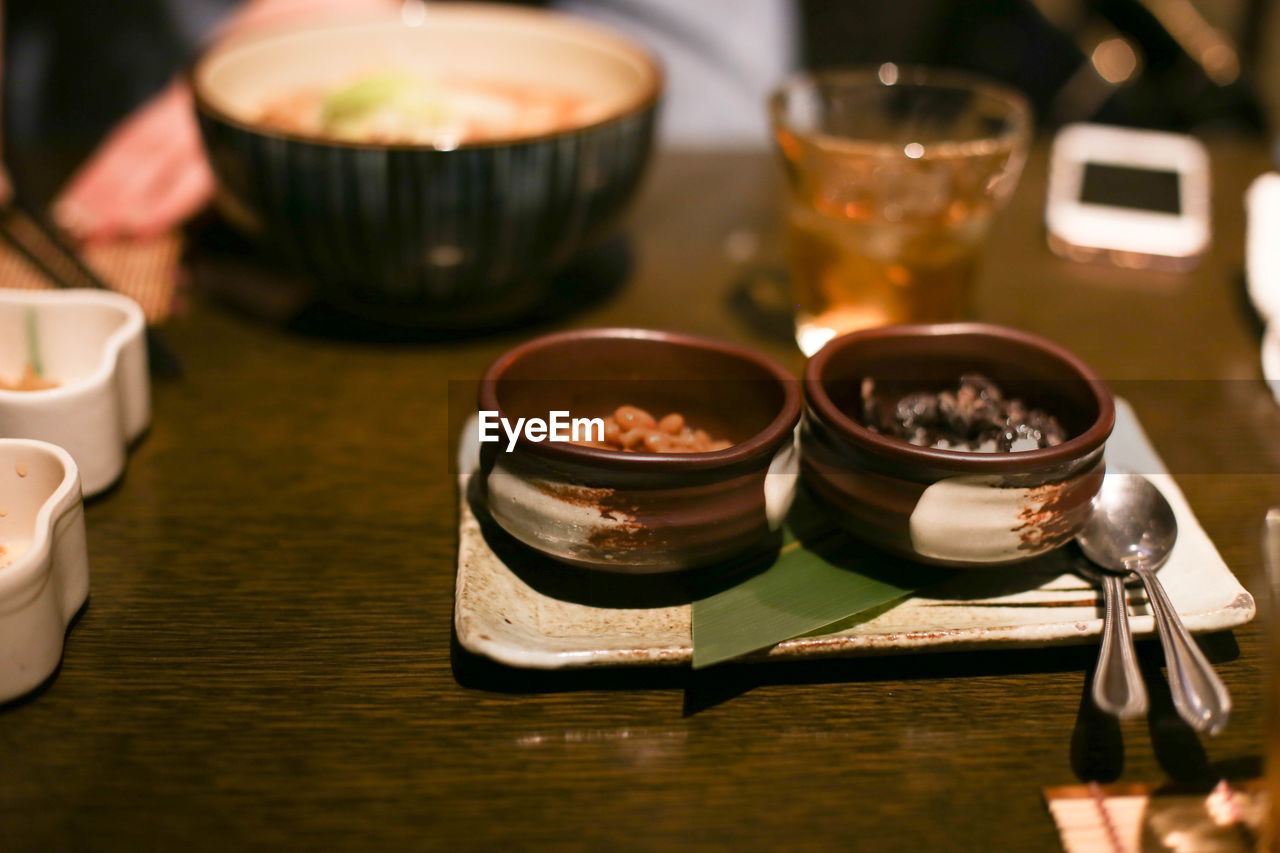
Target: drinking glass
[{"x": 893, "y": 176}]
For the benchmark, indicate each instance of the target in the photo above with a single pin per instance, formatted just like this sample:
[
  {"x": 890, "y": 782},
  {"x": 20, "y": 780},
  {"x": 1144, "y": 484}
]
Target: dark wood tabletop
[{"x": 266, "y": 657}]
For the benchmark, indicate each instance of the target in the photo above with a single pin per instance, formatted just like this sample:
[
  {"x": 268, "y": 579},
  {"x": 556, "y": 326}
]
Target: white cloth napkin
[{"x": 1262, "y": 268}]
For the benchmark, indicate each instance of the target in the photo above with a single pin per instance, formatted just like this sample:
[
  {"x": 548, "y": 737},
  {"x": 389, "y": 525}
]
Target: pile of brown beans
[{"x": 632, "y": 428}]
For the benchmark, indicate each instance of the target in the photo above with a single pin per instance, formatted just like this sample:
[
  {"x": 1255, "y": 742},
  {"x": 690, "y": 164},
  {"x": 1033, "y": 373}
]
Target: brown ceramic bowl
[
  {"x": 954, "y": 507},
  {"x": 642, "y": 512}
]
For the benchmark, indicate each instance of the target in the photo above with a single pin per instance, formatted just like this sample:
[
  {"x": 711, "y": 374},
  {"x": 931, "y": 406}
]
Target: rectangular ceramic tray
[{"x": 500, "y": 616}]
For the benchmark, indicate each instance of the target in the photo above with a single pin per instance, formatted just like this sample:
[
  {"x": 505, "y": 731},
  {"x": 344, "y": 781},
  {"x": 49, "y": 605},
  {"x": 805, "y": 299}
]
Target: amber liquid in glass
[{"x": 872, "y": 244}]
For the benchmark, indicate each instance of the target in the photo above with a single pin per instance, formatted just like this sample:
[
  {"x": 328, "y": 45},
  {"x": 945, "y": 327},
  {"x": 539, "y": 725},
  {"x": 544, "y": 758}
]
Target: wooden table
[{"x": 266, "y": 657}]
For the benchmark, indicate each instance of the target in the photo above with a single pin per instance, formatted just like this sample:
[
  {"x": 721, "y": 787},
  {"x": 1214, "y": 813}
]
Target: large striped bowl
[{"x": 456, "y": 238}]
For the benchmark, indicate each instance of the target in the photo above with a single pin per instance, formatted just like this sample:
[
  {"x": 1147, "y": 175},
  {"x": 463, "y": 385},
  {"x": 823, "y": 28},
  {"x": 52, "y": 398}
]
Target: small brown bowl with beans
[
  {"x": 964, "y": 444},
  {"x": 686, "y": 454}
]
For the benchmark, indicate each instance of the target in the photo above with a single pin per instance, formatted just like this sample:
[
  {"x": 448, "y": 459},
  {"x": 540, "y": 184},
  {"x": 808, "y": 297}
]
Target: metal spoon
[
  {"x": 1132, "y": 530},
  {"x": 1117, "y": 683}
]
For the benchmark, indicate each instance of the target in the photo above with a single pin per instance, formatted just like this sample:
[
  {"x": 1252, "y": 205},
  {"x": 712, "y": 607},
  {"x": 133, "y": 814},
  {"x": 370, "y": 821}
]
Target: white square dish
[{"x": 500, "y": 616}]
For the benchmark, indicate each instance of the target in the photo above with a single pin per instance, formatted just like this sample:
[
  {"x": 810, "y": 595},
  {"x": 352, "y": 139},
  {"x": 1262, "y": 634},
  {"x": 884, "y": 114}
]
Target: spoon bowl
[{"x": 1132, "y": 525}]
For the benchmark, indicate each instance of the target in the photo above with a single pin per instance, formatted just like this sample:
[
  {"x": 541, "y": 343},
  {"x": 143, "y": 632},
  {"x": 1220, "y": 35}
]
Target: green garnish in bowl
[
  {"x": 33, "y": 342},
  {"x": 370, "y": 95}
]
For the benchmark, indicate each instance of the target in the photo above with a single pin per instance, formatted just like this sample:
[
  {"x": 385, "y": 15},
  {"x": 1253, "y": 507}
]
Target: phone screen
[{"x": 1156, "y": 190}]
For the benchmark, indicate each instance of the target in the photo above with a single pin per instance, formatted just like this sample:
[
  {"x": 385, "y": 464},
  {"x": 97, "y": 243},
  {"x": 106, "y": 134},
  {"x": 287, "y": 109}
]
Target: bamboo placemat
[
  {"x": 1138, "y": 818},
  {"x": 145, "y": 270}
]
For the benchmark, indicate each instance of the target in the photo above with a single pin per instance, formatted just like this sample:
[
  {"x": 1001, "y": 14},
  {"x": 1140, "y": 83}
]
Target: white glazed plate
[{"x": 498, "y": 615}]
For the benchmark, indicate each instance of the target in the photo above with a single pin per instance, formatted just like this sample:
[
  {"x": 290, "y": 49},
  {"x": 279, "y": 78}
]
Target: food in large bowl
[
  {"x": 436, "y": 175},
  {"x": 962, "y": 444},
  {"x": 695, "y": 462}
]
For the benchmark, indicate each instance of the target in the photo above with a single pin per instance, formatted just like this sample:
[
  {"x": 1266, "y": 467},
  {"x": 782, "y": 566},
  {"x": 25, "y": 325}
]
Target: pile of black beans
[{"x": 975, "y": 416}]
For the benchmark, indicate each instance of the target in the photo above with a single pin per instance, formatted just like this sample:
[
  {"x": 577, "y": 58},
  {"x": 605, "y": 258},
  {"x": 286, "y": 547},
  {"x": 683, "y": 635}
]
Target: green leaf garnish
[
  {"x": 366, "y": 96},
  {"x": 821, "y": 578}
]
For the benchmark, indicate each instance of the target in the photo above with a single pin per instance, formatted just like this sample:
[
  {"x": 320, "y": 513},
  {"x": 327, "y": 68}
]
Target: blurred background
[{"x": 72, "y": 69}]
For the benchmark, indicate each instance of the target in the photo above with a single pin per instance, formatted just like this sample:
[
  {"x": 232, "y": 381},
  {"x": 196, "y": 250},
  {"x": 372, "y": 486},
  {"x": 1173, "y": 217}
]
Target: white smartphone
[{"x": 1135, "y": 198}]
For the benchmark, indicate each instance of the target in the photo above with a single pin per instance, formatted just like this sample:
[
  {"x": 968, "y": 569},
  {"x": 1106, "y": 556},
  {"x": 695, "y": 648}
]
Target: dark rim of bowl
[
  {"x": 960, "y": 460},
  {"x": 646, "y": 102},
  {"x": 764, "y": 441}
]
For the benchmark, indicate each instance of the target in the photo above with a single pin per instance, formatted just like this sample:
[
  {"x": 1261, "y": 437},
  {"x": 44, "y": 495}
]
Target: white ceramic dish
[
  {"x": 498, "y": 615},
  {"x": 44, "y": 570},
  {"x": 93, "y": 344}
]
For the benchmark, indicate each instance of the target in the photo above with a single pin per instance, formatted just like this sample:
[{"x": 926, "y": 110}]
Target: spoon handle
[
  {"x": 1198, "y": 693},
  {"x": 1117, "y": 685}
]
